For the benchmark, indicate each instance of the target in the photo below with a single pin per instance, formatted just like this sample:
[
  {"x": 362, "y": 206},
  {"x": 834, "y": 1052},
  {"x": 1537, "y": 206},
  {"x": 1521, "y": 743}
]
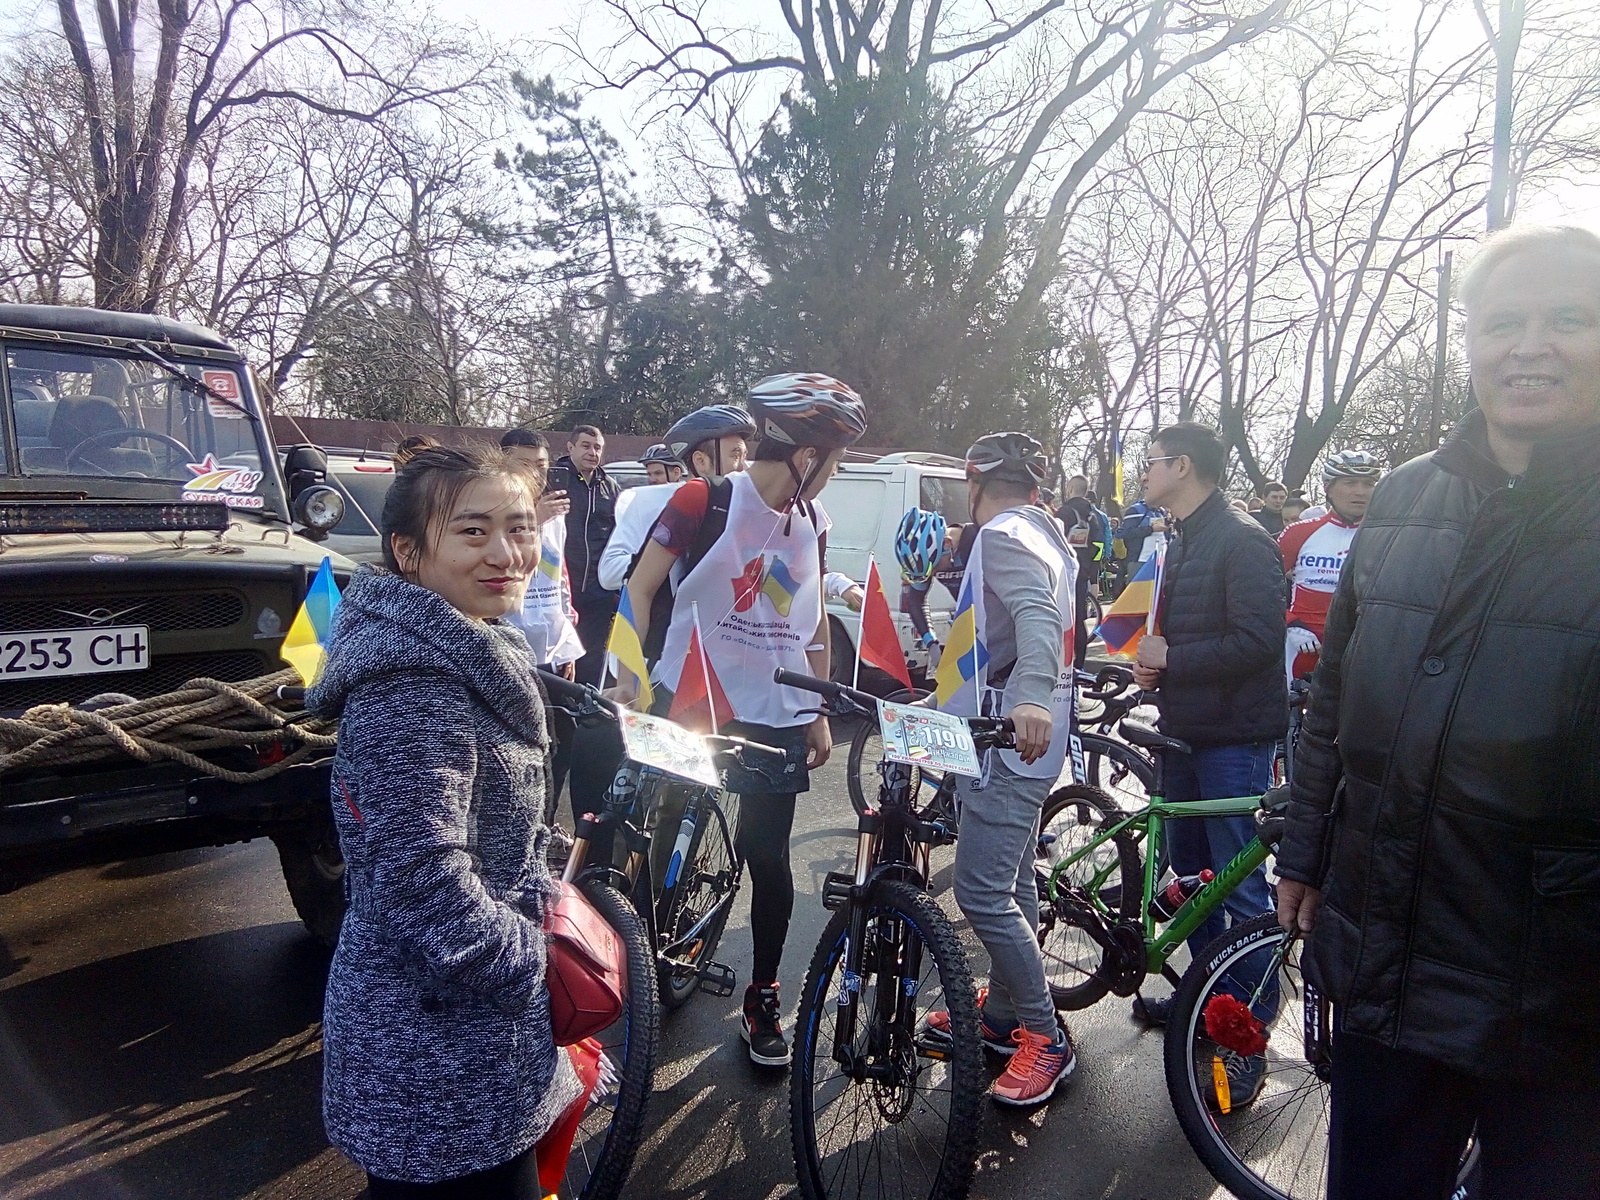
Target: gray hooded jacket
[{"x": 438, "y": 1058}]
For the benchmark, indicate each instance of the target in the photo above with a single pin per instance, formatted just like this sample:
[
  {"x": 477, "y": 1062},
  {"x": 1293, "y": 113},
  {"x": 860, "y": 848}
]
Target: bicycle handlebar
[
  {"x": 986, "y": 731},
  {"x": 577, "y": 700}
]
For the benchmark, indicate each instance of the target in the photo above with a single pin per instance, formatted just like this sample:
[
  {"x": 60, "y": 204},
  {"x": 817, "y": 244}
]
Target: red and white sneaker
[
  {"x": 1039, "y": 1064},
  {"x": 996, "y": 1036}
]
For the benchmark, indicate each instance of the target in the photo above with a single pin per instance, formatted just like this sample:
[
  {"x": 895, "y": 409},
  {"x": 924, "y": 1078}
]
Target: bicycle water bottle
[
  {"x": 1171, "y": 898},
  {"x": 680, "y": 850}
]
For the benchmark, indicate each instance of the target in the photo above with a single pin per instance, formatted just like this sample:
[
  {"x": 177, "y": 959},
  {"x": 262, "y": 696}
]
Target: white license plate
[{"x": 44, "y": 652}]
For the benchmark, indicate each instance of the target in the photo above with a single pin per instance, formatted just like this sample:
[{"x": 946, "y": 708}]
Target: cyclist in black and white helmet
[
  {"x": 661, "y": 465},
  {"x": 749, "y": 553},
  {"x": 1018, "y": 586}
]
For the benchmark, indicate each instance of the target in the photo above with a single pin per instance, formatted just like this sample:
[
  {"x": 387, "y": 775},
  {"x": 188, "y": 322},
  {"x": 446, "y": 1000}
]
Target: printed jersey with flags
[
  {"x": 1313, "y": 555},
  {"x": 759, "y": 592},
  {"x": 546, "y": 618},
  {"x": 1012, "y": 638}
]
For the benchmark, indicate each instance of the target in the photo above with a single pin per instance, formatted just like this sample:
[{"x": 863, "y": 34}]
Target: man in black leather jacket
[
  {"x": 1443, "y": 844},
  {"x": 1218, "y": 664},
  {"x": 592, "y": 495}
]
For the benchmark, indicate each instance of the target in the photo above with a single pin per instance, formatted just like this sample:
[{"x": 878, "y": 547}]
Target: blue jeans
[{"x": 1198, "y": 843}]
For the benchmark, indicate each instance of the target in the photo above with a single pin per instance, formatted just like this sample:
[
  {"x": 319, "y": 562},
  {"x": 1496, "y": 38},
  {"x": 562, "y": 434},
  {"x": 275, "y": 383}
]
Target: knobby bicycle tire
[
  {"x": 709, "y": 877},
  {"x": 818, "y": 1166},
  {"x": 866, "y": 751},
  {"x": 1076, "y": 965},
  {"x": 604, "y": 1149},
  {"x": 1292, "y": 1107}
]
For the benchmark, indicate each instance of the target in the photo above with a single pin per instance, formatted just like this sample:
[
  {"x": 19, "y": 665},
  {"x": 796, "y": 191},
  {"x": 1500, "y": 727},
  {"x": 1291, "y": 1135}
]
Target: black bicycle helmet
[
  {"x": 703, "y": 424},
  {"x": 808, "y": 410},
  {"x": 1013, "y": 457},
  {"x": 660, "y": 454}
]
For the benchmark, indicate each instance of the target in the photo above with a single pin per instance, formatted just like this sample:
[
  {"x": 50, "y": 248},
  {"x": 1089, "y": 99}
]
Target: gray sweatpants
[{"x": 995, "y": 888}]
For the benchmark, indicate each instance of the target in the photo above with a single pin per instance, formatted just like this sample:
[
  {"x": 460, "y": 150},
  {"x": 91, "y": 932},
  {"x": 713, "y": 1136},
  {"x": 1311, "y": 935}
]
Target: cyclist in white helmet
[
  {"x": 1314, "y": 551},
  {"x": 755, "y": 546}
]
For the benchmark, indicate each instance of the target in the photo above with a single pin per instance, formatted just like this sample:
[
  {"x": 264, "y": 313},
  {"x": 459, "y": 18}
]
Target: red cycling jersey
[{"x": 1313, "y": 555}]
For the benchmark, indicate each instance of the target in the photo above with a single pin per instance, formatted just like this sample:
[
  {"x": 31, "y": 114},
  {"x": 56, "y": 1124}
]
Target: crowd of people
[{"x": 1442, "y": 855}]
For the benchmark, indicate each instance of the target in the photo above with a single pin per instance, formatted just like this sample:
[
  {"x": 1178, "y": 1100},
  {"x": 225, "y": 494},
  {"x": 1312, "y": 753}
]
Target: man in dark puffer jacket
[
  {"x": 1444, "y": 833},
  {"x": 1218, "y": 664}
]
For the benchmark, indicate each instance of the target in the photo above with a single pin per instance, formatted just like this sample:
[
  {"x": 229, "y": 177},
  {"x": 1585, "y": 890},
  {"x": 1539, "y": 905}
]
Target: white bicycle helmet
[
  {"x": 808, "y": 410},
  {"x": 1351, "y": 464}
]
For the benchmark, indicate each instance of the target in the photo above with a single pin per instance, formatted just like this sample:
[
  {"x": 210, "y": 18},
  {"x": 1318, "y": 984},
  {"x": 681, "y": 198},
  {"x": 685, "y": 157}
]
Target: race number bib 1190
[{"x": 926, "y": 737}]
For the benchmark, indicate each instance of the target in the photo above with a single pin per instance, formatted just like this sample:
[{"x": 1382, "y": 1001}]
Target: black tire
[
  {"x": 612, "y": 1128},
  {"x": 1117, "y": 769},
  {"x": 1273, "y": 1147},
  {"x": 942, "y": 1151},
  {"x": 709, "y": 879},
  {"x": 866, "y": 752},
  {"x": 313, "y": 871},
  {"x": 1075, "y": 964}
]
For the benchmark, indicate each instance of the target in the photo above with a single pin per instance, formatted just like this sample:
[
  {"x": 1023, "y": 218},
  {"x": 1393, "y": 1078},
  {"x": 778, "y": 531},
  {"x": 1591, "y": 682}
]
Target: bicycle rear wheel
[
  {"x": 905, "y": 1125},
  {"x": 866, "y": 752},
  {"x": 1118, "y": 770},
  {"x": 613, "y": 1125},
  {"x": 1259, "y": 1123},
  {"x": 695, "y": 909},
  {"x": 1108, "y": 881}
]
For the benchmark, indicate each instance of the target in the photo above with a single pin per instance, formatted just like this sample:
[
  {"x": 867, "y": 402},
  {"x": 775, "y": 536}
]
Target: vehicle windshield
[{"x": 89, "y": 413}]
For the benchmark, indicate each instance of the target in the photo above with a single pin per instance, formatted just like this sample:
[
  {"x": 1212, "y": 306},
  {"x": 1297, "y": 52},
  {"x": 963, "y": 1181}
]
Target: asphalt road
[{"x": 159, "y": 1040}]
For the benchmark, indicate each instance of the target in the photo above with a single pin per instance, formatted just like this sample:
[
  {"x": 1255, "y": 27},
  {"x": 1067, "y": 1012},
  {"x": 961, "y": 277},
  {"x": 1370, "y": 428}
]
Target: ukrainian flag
[
  {"x": 1116, "y": 468},
  {"x": 964, "y": 657},
  {"x": 779, "y": 587},
  {"x": 625, "y": 644},
  {"x": 550, "y": 563},
  {"x": 305, "y": 647},
  {"x": 1126, "y": 620}
]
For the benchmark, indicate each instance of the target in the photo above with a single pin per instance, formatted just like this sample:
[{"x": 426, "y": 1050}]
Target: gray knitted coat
[{"x": 437, "y": 1052}]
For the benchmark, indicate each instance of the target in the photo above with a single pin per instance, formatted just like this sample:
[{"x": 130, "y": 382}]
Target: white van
[{"x": 865, "y": 501}]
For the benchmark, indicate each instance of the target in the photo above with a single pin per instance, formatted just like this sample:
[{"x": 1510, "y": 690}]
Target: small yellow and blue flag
[
  {"x": 963, "y": 661},
  {"x": 550, "y": 563},
  {"x": 1116, "y": 468},
  {"x": 779, "y": 586},
  {"x": 305, "y": 647},
  {"x": 629, "y": 650},
  {"x": 1130, "y": 617}
]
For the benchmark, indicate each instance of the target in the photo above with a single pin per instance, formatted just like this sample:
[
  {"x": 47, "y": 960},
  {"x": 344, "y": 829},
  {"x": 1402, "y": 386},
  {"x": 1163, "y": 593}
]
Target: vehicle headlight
[{"x": 319, "y": 508}]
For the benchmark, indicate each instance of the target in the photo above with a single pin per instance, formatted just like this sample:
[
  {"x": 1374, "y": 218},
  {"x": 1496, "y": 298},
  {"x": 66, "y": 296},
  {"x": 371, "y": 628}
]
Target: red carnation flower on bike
[{"x": 1233, "y": 1026}]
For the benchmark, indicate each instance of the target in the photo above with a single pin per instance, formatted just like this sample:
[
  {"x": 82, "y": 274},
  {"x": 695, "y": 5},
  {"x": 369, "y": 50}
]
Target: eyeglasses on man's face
[{"x": 1144, "y": 469}]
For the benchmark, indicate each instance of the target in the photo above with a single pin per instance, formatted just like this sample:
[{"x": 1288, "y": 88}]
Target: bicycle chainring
[{"x": 1126, "y": 965}]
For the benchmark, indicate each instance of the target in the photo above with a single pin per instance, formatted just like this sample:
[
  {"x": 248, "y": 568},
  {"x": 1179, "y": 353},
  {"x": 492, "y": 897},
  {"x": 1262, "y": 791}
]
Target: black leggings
[
  {"x": 765, "y": 819},
  {"x": 514, "y": 1180}
]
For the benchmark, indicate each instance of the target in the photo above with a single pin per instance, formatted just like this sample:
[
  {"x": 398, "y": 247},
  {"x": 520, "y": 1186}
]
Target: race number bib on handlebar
[
  {"x": 669, "y": 748},
  {"x": 926, "y": 737}
]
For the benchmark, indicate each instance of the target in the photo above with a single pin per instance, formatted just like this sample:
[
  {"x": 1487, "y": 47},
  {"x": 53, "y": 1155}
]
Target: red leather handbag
[{"x": 587, "y": 968}]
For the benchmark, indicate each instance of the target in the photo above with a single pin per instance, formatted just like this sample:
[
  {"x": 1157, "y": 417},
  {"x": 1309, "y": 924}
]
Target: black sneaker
[
  {"x": 761, "y": 1028},
  {"x": 1152, "y": 1012}
]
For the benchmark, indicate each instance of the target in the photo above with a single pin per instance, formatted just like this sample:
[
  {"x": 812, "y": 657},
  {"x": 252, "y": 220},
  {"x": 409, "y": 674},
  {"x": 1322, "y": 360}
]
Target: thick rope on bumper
[{"x": 204, "y": 715}]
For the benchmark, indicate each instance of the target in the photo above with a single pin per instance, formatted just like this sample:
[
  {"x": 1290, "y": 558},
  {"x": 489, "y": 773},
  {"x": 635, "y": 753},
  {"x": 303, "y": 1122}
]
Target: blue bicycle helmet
[
  {"x": 714, "y": 421},
  {"x": 919, "y": 543}
]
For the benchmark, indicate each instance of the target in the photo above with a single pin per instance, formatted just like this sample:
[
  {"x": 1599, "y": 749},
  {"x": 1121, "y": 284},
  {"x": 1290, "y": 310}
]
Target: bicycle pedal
[{"x": 717, "y": 979}]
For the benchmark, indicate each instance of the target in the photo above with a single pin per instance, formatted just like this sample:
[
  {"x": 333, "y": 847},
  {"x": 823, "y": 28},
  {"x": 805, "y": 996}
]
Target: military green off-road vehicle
[{"x": 148, "y": 537}]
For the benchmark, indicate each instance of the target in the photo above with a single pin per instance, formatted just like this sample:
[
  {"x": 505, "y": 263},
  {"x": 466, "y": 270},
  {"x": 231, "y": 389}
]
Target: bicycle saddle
[{"x": 1142, "y": 735}]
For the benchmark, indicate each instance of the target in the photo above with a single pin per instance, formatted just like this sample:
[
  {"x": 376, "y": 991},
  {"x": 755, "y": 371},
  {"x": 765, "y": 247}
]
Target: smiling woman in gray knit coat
[{"x": 440, "y": 1071}]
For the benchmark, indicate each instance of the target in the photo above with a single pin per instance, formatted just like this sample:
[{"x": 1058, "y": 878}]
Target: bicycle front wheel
[
  {"x": 697, "y": 905},
  {"x": 895, "y": 1112},
  {"x": 613, "y": 1125}
]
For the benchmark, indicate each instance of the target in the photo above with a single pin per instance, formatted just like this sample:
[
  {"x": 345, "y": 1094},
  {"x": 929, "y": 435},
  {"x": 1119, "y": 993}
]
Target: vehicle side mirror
[{"x": 304, "y": 467}]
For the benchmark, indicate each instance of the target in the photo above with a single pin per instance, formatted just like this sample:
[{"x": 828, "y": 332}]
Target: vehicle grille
[
  {"x": 161, "y": 611},
  {"x": 167, "y": 673}
]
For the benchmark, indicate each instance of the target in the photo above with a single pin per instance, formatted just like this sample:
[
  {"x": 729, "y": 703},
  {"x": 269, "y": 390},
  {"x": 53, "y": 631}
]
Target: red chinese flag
[
  {"x": 880, "y": 641},
  {"x": 699, "y": 692}
]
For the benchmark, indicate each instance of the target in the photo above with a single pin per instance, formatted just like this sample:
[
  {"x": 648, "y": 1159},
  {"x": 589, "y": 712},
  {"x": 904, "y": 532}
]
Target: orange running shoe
[
  {"x": 1039, "y": 1064},
  {"x": 996, "y": 1036}
]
